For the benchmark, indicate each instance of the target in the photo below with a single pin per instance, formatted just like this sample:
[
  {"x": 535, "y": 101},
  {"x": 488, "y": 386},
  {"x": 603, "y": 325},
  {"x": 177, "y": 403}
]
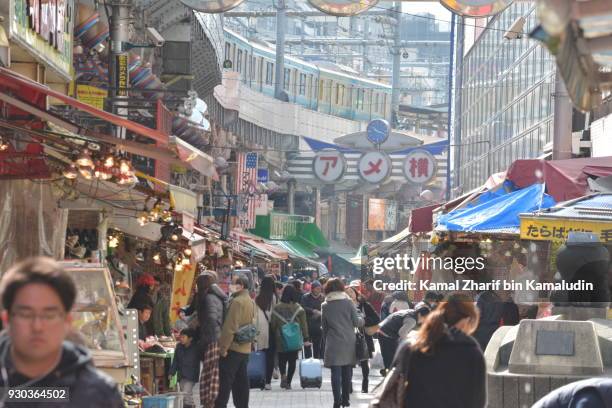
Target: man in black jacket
[
  {"x": 311, "y": 302},
  {"x": 593, "y": 392},
  {"x": 37, "y": 296}
]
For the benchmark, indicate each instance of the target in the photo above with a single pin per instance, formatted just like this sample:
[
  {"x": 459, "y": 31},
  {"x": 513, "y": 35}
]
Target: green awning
[{"x": 296, "y": 248}]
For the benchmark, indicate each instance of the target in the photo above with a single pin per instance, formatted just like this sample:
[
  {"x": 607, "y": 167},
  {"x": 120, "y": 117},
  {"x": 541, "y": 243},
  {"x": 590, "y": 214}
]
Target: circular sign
[
  {"x": 419, "y": 166},
  {"x": 378, "y": 131},
  {"x": 342, "y": 8},
  {"x": 476, "y": 8},
  {"x": 329, "y": 166},
  {"x": 374, "y": 167}
]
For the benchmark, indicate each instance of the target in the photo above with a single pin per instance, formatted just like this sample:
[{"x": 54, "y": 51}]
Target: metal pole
[
  {"x": 450, "y": 110},
  {"x": 397, "y": 43},
  {"x": 291, "y": 197},
  {"x": 281, "y": 28},
  {"x": 562, "y": 136},
  {"x": 118, "y": 64},
  {"x": 456, "y": 121},
  {"x": 366, "y": 29}
]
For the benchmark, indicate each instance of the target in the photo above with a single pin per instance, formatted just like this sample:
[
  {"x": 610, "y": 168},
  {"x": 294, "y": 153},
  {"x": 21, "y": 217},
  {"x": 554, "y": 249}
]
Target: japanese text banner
[{"x": 542, "y": 229}]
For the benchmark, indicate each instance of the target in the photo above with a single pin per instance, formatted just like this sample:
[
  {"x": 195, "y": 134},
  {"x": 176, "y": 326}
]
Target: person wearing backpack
[
  {"x": 339, "y": 319},
  {"x": 209, "y": 305},
  {"x": 238, "y": 334},
  {"x": 290, "y": 329}
]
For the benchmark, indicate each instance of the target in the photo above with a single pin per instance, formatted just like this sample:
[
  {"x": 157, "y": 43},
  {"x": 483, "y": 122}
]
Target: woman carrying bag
[
  {"x": 339, "y": 319},
  {"x": 265, "y": 301},
  {"x": 210, "y": 304},
  {"x": 288, "y": 323},
  {"x": 371, "y": 321},
  {"x": 444, "y": 368}
]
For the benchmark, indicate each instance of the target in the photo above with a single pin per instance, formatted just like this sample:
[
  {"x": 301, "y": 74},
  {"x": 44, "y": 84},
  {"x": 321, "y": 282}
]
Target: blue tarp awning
[{"x": 496, "y": 210}]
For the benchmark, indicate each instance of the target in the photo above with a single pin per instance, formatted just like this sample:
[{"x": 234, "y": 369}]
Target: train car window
[
  {"x": 338, "y": 94},
  {"x": 253, "y": 67},
  {"x": 228, "y": 50},
  {"x": 302, "y": 84},
  {"x": 376, "y": 107},
  {"x": 321, "y": 90},
  {"x": 269, "y": 73},
  {"x": 360, "y": 99},
  {"x": 286, "y": 79},
  {"x": 239, "y": 62}
]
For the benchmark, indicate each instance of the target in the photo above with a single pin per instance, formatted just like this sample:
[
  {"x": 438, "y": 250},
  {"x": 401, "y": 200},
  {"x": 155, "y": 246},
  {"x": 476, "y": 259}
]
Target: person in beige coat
[{"x": 233, "y": 376}]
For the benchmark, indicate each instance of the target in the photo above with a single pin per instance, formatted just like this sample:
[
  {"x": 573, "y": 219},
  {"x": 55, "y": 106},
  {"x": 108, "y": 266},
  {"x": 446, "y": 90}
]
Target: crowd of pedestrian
[{"x": 230, "y": 342}]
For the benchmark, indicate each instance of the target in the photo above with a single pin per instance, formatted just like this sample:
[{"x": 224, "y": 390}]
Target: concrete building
[{"x": 504, "y": 100}]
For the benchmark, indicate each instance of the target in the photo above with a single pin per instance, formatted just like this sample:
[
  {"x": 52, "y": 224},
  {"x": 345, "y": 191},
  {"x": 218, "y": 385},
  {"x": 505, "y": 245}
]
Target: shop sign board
[
  {"x": 91, "y": 95},
  {"x": 262, "y": 175},
  {"x": 548, "y": 229},
  {"x": 181, "y": 289},
  {"x": 44, "y": 28},
  {"x": 382, "y": 214},
  {"x": 261, "y": 204},
  {"x": 329, "y": 166},
  {"x": 419, "y": 166},
  {"x": 374, "y": 167},
  {"x": 122, "y": 74}
]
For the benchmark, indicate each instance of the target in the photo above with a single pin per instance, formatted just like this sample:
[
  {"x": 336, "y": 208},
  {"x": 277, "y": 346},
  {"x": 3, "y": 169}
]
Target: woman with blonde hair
[{"x": 444, "y": 366}]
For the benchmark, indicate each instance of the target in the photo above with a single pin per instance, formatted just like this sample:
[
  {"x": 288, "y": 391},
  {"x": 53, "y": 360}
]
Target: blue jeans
[{"x": 341, "y": 377}]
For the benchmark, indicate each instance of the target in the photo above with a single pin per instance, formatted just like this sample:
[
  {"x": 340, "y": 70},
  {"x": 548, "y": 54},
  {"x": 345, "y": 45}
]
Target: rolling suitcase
[
  {"x": 311, "y": 372},
  {"x": 256, "y": 369}
]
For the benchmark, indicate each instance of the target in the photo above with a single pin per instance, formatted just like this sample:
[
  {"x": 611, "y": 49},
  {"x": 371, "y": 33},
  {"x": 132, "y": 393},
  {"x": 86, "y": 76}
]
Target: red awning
[
  {"x": 21, "y": 86},
  {"x": 564, "y": 179},
  {"x": 421, "y": 219}
]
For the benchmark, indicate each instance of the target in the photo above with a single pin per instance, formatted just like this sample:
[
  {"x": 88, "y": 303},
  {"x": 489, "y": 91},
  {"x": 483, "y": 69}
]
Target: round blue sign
[{"x": 378, "y": 131}]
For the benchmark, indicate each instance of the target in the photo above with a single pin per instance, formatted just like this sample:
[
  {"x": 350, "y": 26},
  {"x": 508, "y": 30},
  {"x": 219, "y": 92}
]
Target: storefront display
[{"x": 96, "y": 317}]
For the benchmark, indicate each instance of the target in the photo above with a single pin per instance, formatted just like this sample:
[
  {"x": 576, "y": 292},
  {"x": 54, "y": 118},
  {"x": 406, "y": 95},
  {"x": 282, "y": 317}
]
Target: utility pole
[
  {"x": 562, "y": 125},
  {"x": 450, "y": 109},
  {"x": 281, "y": 28},
  {"x": 118, "y": 64},
  {"x": 364, "y": 55},
  {"x": 397, "y": 44}
]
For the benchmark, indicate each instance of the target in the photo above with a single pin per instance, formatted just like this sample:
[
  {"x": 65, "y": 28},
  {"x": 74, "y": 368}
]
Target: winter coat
[
  {"x": 392, "y": 325},
  {"x": 241, "y": 311},
  {"x": 262, "y": 321},
  {"x": 561, "y": 397},
  {"x": 87, "y": 386},
  {"x": 287, "y": 310},
  {"x": 310, "y": 304},
  {"x": 186, "y": 362},
  {"x": 211, "y": 309},
  {"x": 453, "y": 375},
  {"x": 376, "y": 299},
  {"x": 339, "y": 318},
  {"x": 161, "y": 317},
  {"x": 491, "y": 310},
  {"x": 370, "y": 319},
  {"x": 141, "y": 297}
]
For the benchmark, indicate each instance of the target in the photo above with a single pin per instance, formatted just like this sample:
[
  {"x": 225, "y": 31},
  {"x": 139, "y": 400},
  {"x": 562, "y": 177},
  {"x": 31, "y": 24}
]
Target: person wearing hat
[{"x": 311, "y": 302}]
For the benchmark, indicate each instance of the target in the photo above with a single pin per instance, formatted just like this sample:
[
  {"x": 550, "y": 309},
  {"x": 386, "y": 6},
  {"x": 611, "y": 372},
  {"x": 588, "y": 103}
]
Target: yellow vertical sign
[
  {"x": 182, "y": 284},
  {"x": 122, "y": 74}
]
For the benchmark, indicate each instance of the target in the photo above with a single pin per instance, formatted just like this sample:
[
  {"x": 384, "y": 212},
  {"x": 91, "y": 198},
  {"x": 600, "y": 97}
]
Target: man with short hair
[
  {"x": 37, "y": 297},
  {"x": 372, "y": 296},
  {"x": 234, "y": 353},
  {"x": 311, "y": 302}
]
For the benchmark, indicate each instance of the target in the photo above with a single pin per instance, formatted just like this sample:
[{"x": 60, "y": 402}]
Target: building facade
[{"x": 506, "y": 106}]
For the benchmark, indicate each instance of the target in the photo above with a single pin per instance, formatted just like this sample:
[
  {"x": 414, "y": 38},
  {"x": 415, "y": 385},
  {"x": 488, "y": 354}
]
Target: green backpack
[{"x": 291, "y": 333}]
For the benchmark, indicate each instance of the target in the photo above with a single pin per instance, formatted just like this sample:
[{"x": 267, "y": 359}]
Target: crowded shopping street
[{"x": 305, "y": 204}]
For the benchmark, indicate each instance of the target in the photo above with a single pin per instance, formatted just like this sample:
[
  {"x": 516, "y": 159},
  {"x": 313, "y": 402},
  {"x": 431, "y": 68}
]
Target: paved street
[{"x": 311, "y": 397}]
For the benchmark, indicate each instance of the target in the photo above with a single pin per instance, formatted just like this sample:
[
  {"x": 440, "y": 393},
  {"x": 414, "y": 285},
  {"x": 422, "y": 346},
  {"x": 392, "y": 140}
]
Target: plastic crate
[
  {"x": 159, "y": 401},
  {"x": 180, "y": 398}
]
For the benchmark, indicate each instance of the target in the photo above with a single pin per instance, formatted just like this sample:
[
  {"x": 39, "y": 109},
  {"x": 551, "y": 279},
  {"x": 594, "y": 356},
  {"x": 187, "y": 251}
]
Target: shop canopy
[
  {"x": 564, "y": 179},
  {"x": 496, "y": 211},
  {"x": 30, "y": 96},
  {"x": 587, "y": 214}
]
